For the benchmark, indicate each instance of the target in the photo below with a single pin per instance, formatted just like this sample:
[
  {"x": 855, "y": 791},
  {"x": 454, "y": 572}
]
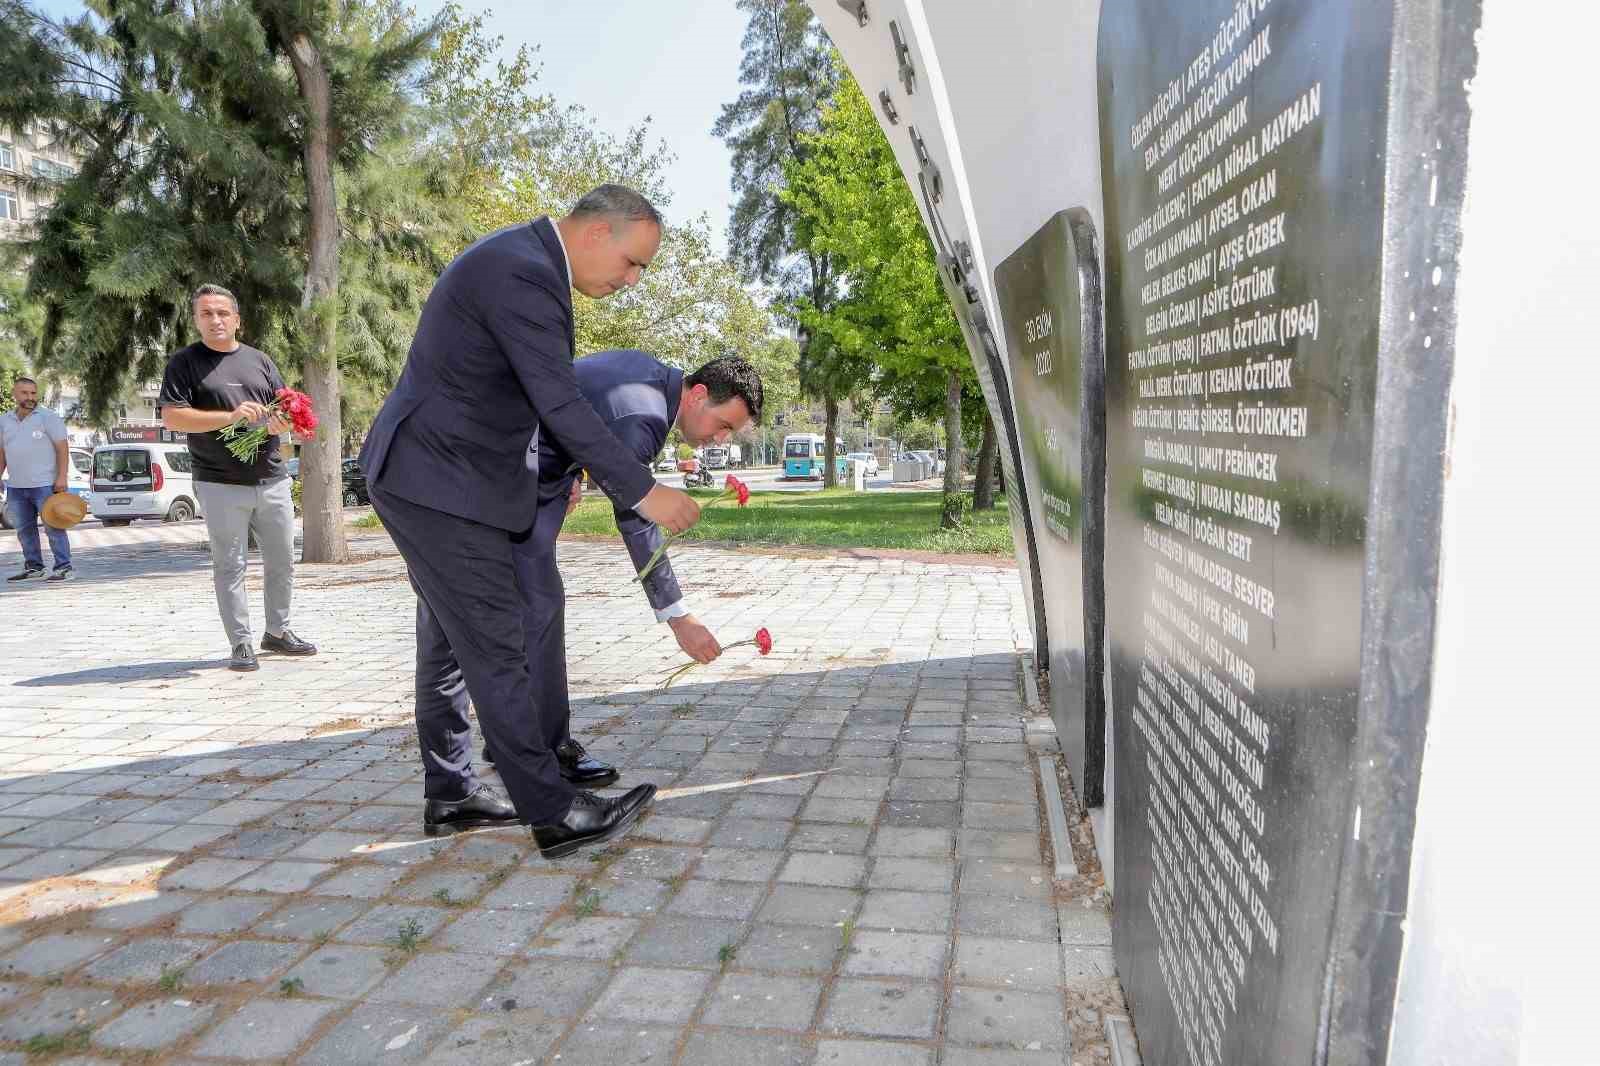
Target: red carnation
[
  {"x": 739, "y": 488},
  {"x": 244, "y": 443},
  {"x": 762, "y": 640}
]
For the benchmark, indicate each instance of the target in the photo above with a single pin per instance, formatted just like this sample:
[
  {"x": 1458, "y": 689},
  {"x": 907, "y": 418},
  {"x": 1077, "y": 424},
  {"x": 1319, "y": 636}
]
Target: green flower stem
[{"x": 670, "y": 537}]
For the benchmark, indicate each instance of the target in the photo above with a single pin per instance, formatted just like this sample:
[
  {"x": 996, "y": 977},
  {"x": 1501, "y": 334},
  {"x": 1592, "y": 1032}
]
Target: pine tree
[
  {"x": 790, "y": 70},
  {"x": 211, "y": 139}
]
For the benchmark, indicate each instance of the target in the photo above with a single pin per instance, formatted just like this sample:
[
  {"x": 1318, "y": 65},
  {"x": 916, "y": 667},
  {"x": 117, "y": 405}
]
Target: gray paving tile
[
  {"x": 673, "y": 941},
  {"x": 265, "y": 1029},
  {"x": 789, "y": 948},
  {"x": 55, "y": 953},
  {"x": 557, "y": 988},
  {"x": 871, "y": 1053},
  {"x": 747, "y": 1049},
  {"x": 740, "y": 864},
  {"x": 809, "y": 905},
  {"x": 615, "y": 1044},
  {"x": 718, "y": 899},
  {"x": 814, "y": 868},
  {"x": 228, "y": 914},
  {"x": 830, "y": 836},
  {"x": 757, "y": 1001},
  {"x": 152, "y": 1026},
  {"x": 311, "y": 918},
  {"x": 882, "y": 953},
  {"x": 341, "y": 971},
  {"x": 882, "y": 1008},
  {"x": 501, "y": 1037},
  {"x": 1023, "y": 919},
  {"x": 928, "y": 912},
  {"x": 148, "y": 959},
  {"x": 243, "y": 961},
  {"x": 584, "y": 938},
  {"x": 647, "y": 994},
  {"x": 56, "y": 1011},
  {"x": 380, "y": 1032},
  {"x": 1008, "y": 963},
  {"x": 439, "y": 979},
  {"x": 536, "y": 893},
  {"x": 1028, "y": 1021},
  {"x": 912, "y": 842}
]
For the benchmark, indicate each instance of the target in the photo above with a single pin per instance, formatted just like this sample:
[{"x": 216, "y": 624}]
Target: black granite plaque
[
  {"x": 1049, "y": 291},
  {"x": 1243, "y": 151}
]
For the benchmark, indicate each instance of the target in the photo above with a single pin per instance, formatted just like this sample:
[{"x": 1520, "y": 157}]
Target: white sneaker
[{"x": 61, "y": 573}]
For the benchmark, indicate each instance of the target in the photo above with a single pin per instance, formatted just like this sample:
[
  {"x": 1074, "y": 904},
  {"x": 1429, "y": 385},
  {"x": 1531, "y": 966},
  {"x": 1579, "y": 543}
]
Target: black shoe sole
[
  {"x": 567, "y": 847},
  {"x": 592, "y": 782},
  {"x": 244, "y": 668},
  {"x": 434, "y": 829},
  {"x": 270, "y": 650}
]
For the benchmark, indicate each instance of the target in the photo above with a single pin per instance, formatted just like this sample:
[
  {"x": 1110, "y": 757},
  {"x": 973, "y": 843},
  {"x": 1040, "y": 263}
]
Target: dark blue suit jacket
[
  {"x": 637, "y": 398},
  {"x": 490, "y": 366}
]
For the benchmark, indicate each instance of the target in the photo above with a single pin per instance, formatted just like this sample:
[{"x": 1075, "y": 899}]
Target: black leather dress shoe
[
  {"x": 592, "y": 820},
  {"x": 576, "y": 764},
  {"x": 484, "y": 807},
  {"x": 244, "y": 658},
  {"x": 583, "y": 769},
  {"x": 287, "y": 644}
]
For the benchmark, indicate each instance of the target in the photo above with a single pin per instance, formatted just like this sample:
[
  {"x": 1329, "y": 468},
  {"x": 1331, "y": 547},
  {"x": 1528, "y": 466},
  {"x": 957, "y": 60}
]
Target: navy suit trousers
[
  {"x": 544, "y": 600},
  {"x": 471, "y": 641}
]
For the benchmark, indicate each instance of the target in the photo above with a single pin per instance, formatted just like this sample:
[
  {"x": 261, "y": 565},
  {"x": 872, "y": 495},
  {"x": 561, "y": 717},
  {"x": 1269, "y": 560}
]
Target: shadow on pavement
[
  {"x": 160, "y": 671},
  {"x": 278, "y": 900}
]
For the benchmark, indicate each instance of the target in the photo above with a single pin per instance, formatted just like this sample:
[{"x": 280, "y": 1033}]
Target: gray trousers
[{"x": 231, "y": 512}]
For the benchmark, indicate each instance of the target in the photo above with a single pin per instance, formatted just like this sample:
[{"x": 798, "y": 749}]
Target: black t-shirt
[{"x": 208, "y": 380}]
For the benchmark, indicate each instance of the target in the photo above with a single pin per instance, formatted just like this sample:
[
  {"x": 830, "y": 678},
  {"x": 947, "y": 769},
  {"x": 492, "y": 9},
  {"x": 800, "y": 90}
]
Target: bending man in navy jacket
[
  {"x": 448, "y": 464},
  {"x": 640, "y": 400}
]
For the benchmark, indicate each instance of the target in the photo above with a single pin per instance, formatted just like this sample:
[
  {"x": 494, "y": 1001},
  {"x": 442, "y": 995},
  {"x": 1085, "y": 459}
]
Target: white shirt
[{"x": 30, "y": 446}]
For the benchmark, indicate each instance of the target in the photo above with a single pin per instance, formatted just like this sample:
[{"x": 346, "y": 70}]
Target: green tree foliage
[
  {"x": 789, "y": 71},
  {"x": 893, "y": 317}
]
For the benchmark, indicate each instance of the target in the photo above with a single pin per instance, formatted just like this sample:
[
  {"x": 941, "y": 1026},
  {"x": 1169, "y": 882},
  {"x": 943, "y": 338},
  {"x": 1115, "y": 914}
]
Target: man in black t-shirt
[{"x": 207, "y": 387}]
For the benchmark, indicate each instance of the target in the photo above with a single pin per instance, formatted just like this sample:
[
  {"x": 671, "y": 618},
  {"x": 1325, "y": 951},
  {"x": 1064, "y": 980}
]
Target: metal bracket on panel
[
  {"x": 964, "y": 254},
  {"x": 930, "y": 169},
  {"x": 858, "y": 8},
  {"x": 902, "y": 55},
  {"x": 889, "y": 111}
]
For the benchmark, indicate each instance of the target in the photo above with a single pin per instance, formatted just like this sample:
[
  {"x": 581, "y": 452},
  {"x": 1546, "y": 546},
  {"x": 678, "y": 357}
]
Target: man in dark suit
[
  {"x": 449, "y": 464},
  {"x": 640, "y": 400}
]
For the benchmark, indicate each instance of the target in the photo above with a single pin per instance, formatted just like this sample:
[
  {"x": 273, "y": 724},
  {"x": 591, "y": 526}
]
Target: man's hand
[
  {"x": 695, "y": 639},
  {"x": 249, "y": 412},
  {"x": 671, "y": 509},
  {"x": 60, "y": 484},
  {"x": 277, "y": 425},
  {"x": 575, "y": 497}
]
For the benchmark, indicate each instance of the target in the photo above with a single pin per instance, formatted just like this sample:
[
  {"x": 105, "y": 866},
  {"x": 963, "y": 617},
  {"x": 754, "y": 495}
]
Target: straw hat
[{"x": 63, "y": 510}]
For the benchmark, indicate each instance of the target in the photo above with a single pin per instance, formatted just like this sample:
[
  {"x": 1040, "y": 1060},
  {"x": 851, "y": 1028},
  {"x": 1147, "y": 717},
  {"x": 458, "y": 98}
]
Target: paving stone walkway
[{"x": 847, "y": 866}]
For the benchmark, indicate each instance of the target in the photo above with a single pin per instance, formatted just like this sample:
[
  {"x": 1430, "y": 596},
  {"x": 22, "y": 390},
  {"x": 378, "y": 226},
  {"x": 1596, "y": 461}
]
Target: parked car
[
  {"x": 293, "y": 466},
  {"x": 146, "y": 480},
  {"x": 868, "y": 458},
  {"x": 667, "y": 462},
  {"x": 355, "y": 484},
  {"x": 82, "y": 461}
]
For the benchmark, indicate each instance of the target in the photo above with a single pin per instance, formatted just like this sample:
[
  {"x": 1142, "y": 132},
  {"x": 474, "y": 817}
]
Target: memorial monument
[{"x": 1308, "y": 707}]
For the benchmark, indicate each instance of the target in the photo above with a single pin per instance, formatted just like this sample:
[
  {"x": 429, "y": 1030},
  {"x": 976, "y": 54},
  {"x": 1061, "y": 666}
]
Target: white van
[{"x": 144, "y": 480}]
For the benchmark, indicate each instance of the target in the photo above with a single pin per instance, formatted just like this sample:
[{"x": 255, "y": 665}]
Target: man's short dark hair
[
  {"x": 616, "y": 203},
  {"x": 23, "y": 379},
  {"x": 729, "y": 376},
  {"x": 208, "y": 289}
]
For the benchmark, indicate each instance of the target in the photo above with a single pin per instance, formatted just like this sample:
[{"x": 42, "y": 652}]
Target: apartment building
[{"x": 31, "y": 160}]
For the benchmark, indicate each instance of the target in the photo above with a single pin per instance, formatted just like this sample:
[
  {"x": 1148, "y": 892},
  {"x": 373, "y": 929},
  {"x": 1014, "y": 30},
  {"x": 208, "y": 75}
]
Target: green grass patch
[
  {"x": 368, "y": 521},
  {"x": 833, "y": 518}
]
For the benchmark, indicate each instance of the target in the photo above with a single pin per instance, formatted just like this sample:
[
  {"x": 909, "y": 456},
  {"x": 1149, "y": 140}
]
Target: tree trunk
[
  {"x": 323, "y": 492},
  {"x": 950, "y": 513},
  {"x": 830, "y": 405},
  {"x": 988, "y": 452}
]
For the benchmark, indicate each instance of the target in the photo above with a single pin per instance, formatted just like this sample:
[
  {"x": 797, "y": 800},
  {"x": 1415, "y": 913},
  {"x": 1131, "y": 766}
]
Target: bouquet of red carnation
[
  {"x": 762, "y": 640},
  {"x": 245, "y": 443},
  {"x": 733, "y": 489}
]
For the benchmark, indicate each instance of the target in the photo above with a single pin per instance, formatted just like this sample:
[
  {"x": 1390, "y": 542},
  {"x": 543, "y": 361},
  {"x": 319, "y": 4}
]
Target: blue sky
[{"x": 673, "y": 61}]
